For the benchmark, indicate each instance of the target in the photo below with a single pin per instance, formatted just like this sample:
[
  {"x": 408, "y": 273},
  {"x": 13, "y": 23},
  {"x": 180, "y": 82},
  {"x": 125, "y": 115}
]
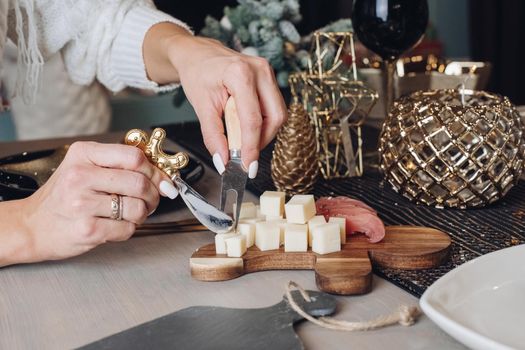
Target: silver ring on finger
[
  {"x": 120, "y": 207},
  {"x": 116, "y": 207}
]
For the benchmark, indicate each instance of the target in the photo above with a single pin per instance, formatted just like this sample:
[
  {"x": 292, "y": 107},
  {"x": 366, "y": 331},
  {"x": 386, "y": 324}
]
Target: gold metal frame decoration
[
  {"x": 337, "y": 103},
  {"x": 453, "y": 148}
]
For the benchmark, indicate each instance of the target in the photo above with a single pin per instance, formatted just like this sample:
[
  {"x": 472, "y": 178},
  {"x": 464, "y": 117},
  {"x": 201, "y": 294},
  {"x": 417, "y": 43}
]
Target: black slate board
[
  {"x": 209, "y": 327},
  {"x": 474, "y": 232}
]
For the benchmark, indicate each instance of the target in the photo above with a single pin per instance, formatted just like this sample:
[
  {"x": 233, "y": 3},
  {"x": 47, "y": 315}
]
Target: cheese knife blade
[{"x": 214, "y": 219}]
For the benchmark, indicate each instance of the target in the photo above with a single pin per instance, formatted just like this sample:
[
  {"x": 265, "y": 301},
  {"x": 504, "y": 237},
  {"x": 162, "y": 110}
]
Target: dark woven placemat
[{"x": 474, "y": 232}]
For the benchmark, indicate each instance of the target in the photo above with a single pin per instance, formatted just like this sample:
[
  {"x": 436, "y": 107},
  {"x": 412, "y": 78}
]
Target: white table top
[{"x": 116, "y": 286}]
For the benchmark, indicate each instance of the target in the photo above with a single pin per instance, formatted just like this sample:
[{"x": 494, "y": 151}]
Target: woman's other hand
[{"x": 71, "y": 213}]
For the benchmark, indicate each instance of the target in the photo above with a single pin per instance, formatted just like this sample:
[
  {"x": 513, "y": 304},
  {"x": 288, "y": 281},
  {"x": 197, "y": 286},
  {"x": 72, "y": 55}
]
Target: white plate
[{"x": 482, "y": 302}]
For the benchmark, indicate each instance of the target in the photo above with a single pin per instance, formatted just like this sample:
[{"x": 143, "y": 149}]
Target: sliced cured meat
[
  {"x": 348, "y": 200},
  {"x": 343, "y": 199},
  {"x": 350, "y": 211},
  {"x": 366, "y": 223},
  {"x": 360, "y": 218},
  {"x": 327, "y": 203},
  {"x": 348, "y": 205}
]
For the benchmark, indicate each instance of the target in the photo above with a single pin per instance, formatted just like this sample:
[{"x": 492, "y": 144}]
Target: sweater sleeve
[
  {"x": 127, "y": 61},
  {"x": 101, "y": 39}
]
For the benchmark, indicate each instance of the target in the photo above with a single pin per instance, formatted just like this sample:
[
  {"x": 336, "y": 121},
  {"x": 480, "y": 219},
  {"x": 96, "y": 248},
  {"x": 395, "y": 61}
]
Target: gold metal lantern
[
  {"x": 337, "y": 103},
  {"x": 453, "y": 148}
]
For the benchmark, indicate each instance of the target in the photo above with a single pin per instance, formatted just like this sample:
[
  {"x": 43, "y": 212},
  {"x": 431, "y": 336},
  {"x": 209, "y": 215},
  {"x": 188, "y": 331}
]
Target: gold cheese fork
[{"x": 234, "y": 177}]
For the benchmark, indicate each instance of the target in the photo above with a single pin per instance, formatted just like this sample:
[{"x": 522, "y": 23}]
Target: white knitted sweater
[{"x": 98, "y": 39}]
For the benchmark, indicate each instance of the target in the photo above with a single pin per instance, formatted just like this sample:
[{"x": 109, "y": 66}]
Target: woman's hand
[
  {"x": 70, "y": 214},
  {"x": 210, "y": 73}
]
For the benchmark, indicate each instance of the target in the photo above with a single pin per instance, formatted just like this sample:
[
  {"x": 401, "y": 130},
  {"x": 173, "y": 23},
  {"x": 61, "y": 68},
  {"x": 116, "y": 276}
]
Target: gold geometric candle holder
[
  {"x": 337, "y": 103},
  {"x": 453, "y": 148}
]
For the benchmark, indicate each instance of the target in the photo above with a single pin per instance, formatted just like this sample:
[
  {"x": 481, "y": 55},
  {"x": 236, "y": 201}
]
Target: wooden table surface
[{"x": 66, "y": 304}]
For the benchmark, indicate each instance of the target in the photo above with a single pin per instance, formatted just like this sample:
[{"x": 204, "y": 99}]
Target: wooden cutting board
[{"x": 347, "y": 272}]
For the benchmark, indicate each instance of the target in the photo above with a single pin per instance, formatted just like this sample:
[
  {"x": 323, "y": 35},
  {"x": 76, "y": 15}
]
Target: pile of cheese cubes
[{"x": 274, "y": 223}]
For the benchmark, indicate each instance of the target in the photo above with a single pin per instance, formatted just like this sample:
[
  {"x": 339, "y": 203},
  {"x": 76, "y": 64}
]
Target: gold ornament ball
[{"x": 453, "y": 148}]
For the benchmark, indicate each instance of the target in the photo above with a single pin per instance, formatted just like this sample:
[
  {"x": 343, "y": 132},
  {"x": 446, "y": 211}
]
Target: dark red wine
[{"x": 390, "y": 27}]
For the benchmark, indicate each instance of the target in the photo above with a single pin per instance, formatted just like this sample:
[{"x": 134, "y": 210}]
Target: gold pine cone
[{"x": 294, "y": 164}]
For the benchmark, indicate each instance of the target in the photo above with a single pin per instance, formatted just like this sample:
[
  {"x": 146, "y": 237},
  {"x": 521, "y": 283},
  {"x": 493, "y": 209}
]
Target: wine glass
[{"x": 389, "y": 28}]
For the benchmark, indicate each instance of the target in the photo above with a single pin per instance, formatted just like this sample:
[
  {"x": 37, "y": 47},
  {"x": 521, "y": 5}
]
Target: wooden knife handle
[{"x": 233, "y": 124}]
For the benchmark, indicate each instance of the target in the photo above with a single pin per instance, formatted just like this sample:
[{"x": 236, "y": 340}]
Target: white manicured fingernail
[
  {"x": 152, "y": 211},
  {"x": 168, "y": 189},
  {"x": 219, "y": 165},
  {"x": 252, "y": 169}
]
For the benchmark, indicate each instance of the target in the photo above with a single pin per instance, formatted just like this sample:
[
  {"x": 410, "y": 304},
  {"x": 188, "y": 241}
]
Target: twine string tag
[{"x": 405, "y": 315}]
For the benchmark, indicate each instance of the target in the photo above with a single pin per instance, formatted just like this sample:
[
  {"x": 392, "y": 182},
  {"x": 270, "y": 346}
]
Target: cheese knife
[{"x": 214, "y": 219}]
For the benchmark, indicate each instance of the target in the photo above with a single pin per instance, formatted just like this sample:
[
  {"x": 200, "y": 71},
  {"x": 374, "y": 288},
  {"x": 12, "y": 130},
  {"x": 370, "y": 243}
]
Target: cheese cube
[
  {"x": 272, "y": 203},
  {"x": 267, "y": 235},
  {"x": 295, "y": 238},
  {"x": 236, "y": 246},
  {"x": 315, "y": 221},
  {"x": 252, "y": 220},
  {"x": 248, "y": 231},
  {"x": 342, "y": 226},
  {"x": 258, "y": 211},
  {"x": 220, "y": 245},
  {"x": 300, "y": 209},
  {"x": 248, "y": 210},
  {"x": 326, "y": 238},
  {"x": 282, "y": 224},
  {"x": 272, "y": 218}
]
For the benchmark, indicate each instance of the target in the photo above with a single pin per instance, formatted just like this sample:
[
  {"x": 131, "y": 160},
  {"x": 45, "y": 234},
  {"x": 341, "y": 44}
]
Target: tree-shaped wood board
[{"x": 346, "y": 272}]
